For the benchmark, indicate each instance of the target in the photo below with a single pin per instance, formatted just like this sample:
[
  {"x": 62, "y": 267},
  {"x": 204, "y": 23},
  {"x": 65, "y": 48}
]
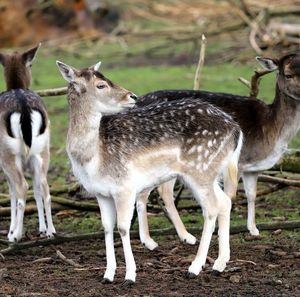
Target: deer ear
[
  {"x": 30, "y": 55},
  {"x": 68, "y": 72},
  {"x": 96, "y": 66},
  {"x": 268, "y": 63}
]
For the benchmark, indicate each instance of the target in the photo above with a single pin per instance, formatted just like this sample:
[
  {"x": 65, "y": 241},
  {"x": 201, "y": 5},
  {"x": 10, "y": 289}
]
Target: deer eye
[
  {"x": 101, "y": 86},
  {"x": 289, "y": 76}
]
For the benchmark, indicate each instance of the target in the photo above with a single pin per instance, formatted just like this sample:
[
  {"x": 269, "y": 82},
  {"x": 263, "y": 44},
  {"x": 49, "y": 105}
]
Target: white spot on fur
[{"x": 192, "y": 150}]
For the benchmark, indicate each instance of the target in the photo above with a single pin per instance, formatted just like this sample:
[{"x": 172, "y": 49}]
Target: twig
[
  {"x": 43, "y": 260},
  {"x": 95, "y": 268},
  {"x": 245, "y": 261},
  {"x": 52, "y": 92},
  {"x": 200, "y": 62},
  {"x": 65, "y": 259}
]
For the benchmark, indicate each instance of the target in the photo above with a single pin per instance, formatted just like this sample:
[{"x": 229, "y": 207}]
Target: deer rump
[{"x": 24, "y": 117}]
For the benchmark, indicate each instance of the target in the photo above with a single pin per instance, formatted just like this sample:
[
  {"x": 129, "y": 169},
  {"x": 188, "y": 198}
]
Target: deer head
[
  {"x": 288, "y": 78},
  {"x": 17, "y": 68},
  {"x": 89, "y": 85}
]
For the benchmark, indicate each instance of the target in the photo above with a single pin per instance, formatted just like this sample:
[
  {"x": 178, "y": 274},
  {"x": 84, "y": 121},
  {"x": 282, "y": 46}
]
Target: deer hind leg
[
  {"x": 108, "y": 219},
  {"x": 224, "y": 205},
  {"x": 125, "y": 202},
  {"x": 141, "y": 205},
  {"x": 166, "y": 192},
  {"x": 208, "y": 202},
  {"x": 39, "y": 167},
  {"x": 250, "y": 186},
  {"x": 18, "y": 189}
]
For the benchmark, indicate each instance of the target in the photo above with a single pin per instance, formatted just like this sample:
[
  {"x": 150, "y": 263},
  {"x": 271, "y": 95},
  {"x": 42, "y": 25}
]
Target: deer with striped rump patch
[
  {"x": 117, "y": 153},
  {"x": 24, "y": 143},
  {"x": 267, "y": 130}
]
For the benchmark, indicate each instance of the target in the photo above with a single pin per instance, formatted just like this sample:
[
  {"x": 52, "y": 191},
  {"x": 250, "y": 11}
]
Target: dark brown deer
[
  {"x": 267, "y": 130},
  {"x": 24, "y": 142},
  {"x": 116, "y": 154}
]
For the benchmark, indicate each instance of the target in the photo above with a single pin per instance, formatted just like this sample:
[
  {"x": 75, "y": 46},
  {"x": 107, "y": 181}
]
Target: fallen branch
[
  {"x": 65, "y": 259},
  {"x": 29, "y": 209},
  {"x": 278, "y": 180},
  {"x": 12, "y": 248}
]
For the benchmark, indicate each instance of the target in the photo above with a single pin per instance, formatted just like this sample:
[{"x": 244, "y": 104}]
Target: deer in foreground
[
  {"x": 117, "y": 153},
  {"x": 24, "y": 142},
  {"x": 267, "y": 130}
]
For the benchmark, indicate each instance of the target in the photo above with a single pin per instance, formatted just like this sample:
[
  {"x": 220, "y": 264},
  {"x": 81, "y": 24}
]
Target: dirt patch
[{"x": 159, "y": 273}]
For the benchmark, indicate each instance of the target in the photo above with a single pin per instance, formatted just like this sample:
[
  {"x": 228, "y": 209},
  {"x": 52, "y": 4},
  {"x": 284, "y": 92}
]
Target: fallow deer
[
  {"x": 267, "y": 130},
  {"x": 117, "y": 153},
  {"x": 24, "y": 142}
]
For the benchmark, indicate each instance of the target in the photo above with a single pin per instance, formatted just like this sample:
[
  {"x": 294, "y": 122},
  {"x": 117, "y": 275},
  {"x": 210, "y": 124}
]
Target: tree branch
[
  {"x": 200, "y": 63},
  {"x": 12, "y": 248}
]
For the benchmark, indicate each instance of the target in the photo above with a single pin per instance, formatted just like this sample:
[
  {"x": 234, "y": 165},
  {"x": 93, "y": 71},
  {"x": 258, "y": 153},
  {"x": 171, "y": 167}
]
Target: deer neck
[
  {"x": 286, "y": 115},
  {"x": 15, "y": 78},
  {"x": 83, "y": 133}
]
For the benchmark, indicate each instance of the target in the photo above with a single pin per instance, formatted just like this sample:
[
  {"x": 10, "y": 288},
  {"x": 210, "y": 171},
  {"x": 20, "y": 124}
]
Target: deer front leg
[
  {"x": 250, "y": 186},
  {"x": 108, "y": 219},
  {"x": 141, "y": 206},
  {"x": 166, "y": 192},
  {"x": 125, "y": 206}
]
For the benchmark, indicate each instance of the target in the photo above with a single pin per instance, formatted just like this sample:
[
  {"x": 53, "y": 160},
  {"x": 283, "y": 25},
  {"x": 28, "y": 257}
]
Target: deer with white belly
[
  {"x": 117, "y": 153},
  {"x": 267, "y": 130}
]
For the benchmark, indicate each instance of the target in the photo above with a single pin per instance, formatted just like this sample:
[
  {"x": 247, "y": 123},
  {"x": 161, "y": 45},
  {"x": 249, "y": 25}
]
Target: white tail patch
[
  {"x": 36, "y": 123},
  {"x": 15, "y": 125}
]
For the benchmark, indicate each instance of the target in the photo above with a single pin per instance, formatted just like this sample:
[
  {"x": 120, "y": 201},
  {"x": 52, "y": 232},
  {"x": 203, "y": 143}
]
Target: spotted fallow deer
[
  {"x": 267, "y": 130},
  {"x": 117, "y": 153},
  {"x": 24, "y": 142}
]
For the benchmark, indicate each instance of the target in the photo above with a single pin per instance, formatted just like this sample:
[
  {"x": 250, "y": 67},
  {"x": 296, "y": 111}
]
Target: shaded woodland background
[{"x": 243, "y": 26}]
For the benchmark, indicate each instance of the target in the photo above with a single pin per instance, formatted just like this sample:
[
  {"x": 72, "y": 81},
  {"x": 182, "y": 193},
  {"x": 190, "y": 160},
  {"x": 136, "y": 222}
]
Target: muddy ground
[{"x": 273, "y": 270}]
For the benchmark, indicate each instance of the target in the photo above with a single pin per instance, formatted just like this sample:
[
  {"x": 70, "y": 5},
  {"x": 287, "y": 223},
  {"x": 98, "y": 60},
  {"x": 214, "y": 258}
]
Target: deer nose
[{"x": 133, "y": 96}]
